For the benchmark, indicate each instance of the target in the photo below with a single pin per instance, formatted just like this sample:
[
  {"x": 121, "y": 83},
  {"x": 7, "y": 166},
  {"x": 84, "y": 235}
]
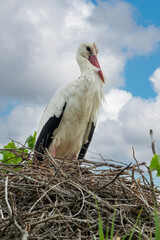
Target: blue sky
[
  {"x": 138, "y": 69},
  {"x": 137, "y": 73},
  {"x": 148, "y": 11}
]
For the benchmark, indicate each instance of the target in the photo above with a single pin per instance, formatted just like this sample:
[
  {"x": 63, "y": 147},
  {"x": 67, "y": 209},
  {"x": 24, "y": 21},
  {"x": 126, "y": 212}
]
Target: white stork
[{"x": 68, "y": 122}]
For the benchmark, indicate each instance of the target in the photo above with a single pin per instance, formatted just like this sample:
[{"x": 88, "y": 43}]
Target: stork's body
[{"x": 68, "y": 122}]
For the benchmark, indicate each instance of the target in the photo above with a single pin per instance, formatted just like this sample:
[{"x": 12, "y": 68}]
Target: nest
[{"x": 61, "y": 199}]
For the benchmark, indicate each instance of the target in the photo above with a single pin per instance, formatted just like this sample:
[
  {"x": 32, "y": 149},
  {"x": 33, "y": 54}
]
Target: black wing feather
[
  {"x": 45, "y": 136},
  {"x": 85, "y": 146}
]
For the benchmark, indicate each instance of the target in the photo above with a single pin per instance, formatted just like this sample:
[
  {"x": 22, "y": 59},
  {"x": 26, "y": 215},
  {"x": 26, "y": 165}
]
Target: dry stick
[
  {"x": 99, "y": 199},
  {"x": 12, "y": 165},
  {"x": 97, "y": 164},
  {"x": 149, "y": 171},
  {"x": 68, "y": 218},
  {"x": 6, "y": 197},
  {"x": 48, "y": 197},
  {"x": 24, "y": 232},
  {"x": 152, "y": 141},
  {"x": 1, "y": 213},
  {"x": 152, "y": 188},
  {"x": 75, "y": 185},
  {"x": 23, "y": 145},
  {"x": 114, "y": 179},
  {"x": 57, "y": 165},
  {"x": 24, "y": 176},
  {"x": 59, "y": 223},
  {"x": 143, "y": 177},
  {"x": 55, "y": 186},
  {"x": 132, "y": 225},
  {"x": 44, "y": 195},
  {"x": 79, "y": 235},
  {"x": 14, "y": 150},
  {"x": 141, "y": 194},
  {"x": 135, "y": 194},
  {"x": 46, "y": 220}
]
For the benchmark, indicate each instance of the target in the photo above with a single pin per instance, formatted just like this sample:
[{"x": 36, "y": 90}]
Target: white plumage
[{"x": 68, "y": 122}]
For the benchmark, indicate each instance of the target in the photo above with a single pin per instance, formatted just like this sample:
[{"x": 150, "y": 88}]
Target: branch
[
  {"x": 24, "y": 232},
  {"x": 152, "y": 142},
  {"x": 26, "y": 177},
  {"x": 6, "y": 197},
  {"x": 114, "y": 179},
  {"x": 152, "y": 187}
]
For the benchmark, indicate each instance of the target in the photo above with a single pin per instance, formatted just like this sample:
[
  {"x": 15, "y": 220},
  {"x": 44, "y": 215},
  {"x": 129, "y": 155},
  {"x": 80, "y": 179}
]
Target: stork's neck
[{"x": 84, "y": 64}]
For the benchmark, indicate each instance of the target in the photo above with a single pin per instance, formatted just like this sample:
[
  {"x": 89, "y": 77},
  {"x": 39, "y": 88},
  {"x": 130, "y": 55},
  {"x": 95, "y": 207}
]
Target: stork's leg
[
  {"x": 74, "y": 157},
  {"x": 54, "y": 151},
  {"x": 52, "y": 146}
]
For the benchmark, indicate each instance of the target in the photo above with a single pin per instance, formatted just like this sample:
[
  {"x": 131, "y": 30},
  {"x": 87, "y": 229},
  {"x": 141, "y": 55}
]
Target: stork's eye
[{"x": 88, "y": 49}]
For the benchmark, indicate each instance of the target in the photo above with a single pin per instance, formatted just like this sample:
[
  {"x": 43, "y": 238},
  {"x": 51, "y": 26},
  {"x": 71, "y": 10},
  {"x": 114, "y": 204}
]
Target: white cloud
[
  {"x": 115, "y": 100},
  {"x": 39, "y": 41},
  {"x": 22, "y": 121},
  {"x": 155, "y": 79},
  {"x": 126, "y": 124}
]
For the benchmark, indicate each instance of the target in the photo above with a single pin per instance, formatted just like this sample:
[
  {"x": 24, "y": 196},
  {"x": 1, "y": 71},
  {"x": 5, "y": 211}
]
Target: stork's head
[{"x": 87, "y": 53}]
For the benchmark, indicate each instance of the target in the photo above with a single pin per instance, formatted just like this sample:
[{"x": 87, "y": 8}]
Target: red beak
[{"x": 93, "y": 59}]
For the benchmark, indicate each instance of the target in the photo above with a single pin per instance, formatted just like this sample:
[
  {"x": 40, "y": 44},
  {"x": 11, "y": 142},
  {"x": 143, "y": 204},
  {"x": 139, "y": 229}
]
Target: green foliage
[
  {"x": 157, "y": 224},
  {"x": 101, "y": 234},
  {"x": 100, "y": 227},
  {"x": 9, "y": 157},
  {"x": 155, "y": 164},
  {"x": 128, "y": 235},
  {"x": 133, "y": 230},
  {"x": 31, "y": 140},
  {"x": 112, "y": 227},
  {"x": 101, "y": 231},
  {"x": 12, "y": 158}
]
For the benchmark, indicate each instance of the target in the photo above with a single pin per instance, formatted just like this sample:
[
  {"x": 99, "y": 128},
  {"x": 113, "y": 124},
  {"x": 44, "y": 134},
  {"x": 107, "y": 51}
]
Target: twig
[
  {"x": 61, "y": 198},
  {"x": 46, "y": 220},
  {"x": 152, "y": 142},
  {"x": 137, "y": 165},
  {"x": 114, "y": 179},
  {"x": 83, "y": 198},
  {"x": 6, "y": 197},
  {"x": 152, "y": 187},
  {"x": 57, "y": 165},
  {"x": 24, "y": 232},
  {"x": 26, "y": 177},
  {"x": 1, "y": 213},
  {"x": 55, "y": 186}
]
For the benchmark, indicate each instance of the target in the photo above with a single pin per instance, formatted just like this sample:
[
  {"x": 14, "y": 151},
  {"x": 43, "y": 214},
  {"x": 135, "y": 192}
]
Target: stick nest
[{"x": 59, "y": 199}]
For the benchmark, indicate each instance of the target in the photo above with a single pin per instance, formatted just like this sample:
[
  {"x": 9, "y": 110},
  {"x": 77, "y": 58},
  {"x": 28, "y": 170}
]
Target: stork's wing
[
  {"x": 87, "y": 141},
  {"x": 50, "y": 120},
  {"x": 46, "y": 134}
]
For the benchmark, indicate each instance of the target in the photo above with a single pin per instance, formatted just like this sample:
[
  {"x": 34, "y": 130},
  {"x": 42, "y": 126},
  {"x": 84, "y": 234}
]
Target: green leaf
[
  {"x": 100, "y": 227},
  {"x": 7, "y": 155},
  {"x": 112, "y": 227},
  {"x": 101, "y": 234},
  {"x": 133, "y": 230},
  {"x": 157, "y": 224},
  {"x": 140, "y": 233},
  {"x": 155, "y": 164},
  {"x": 10, "y": 145},
  {"x": 107, "y": 231},
  {"x": 31, "y": 140},
  {"x": 126, "y": 235}
]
